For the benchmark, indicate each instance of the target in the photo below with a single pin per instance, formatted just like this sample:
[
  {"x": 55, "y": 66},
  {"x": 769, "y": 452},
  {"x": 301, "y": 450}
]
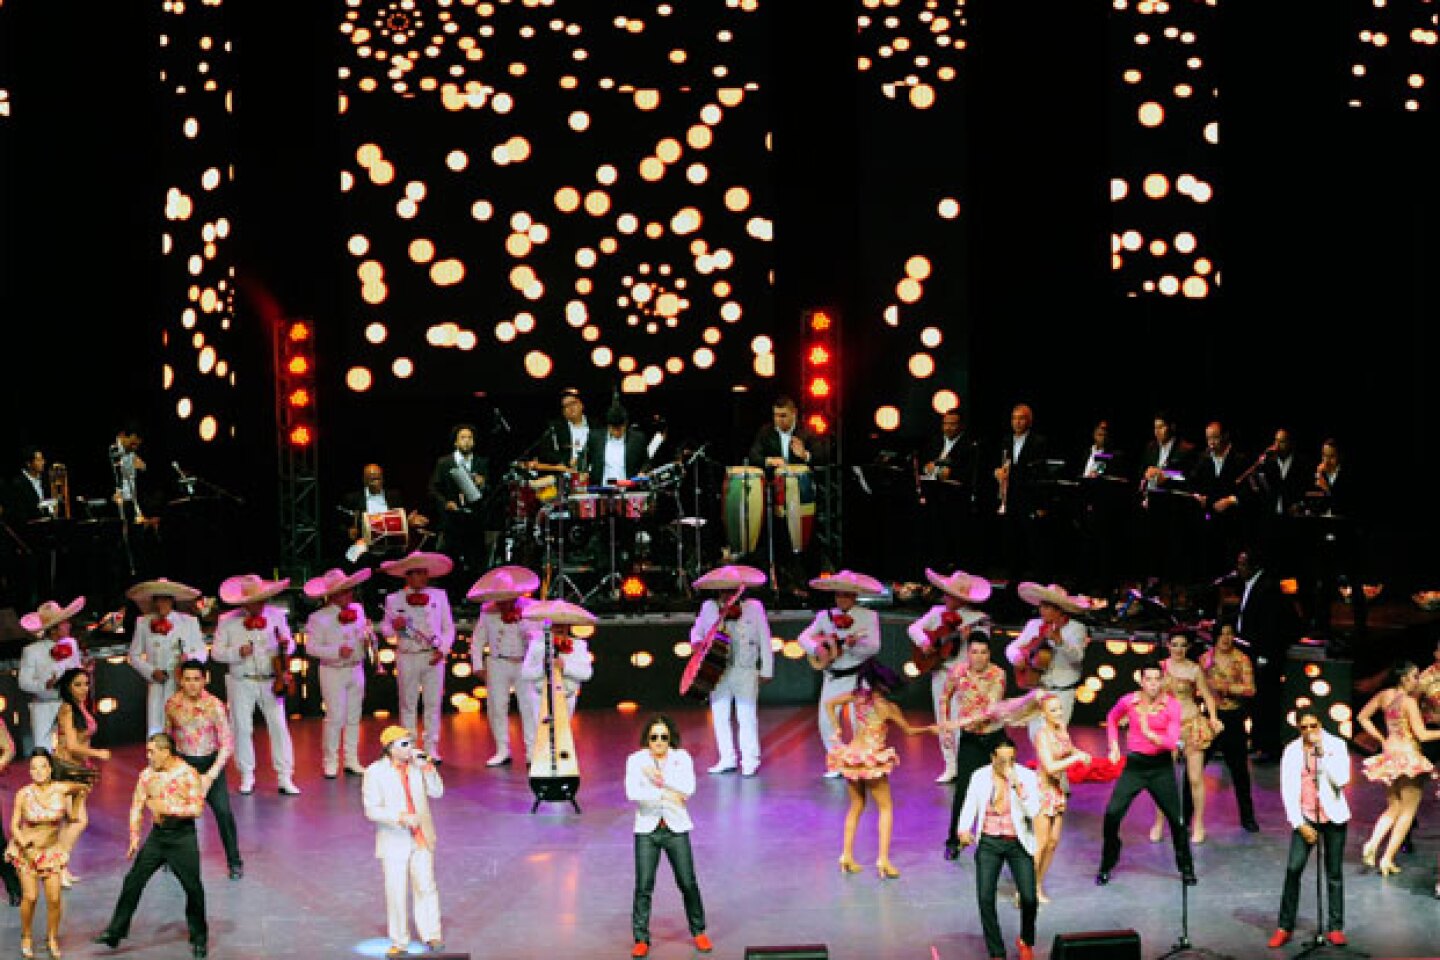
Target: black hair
[
  {"x": 1155, "y": 665},
  {"x": 28, "y": 452},
  {"x": 66, "y": 679},
  {"x": 42, "y": 752},
  {"x": 787, "y": 401},
  {"x": 191, "y": 665},
  {"x": 874, "y": 675},
  {"x": 661, "y": 720},
  {"x": 1004, "y": 741},
  {"x": 978, "y": 636},
  {"x": 162, "y": 740},
  {"x": 1399, "y": 670},
  {"x": 616, "y": 416},
  {"x": 455, "y": 431}
]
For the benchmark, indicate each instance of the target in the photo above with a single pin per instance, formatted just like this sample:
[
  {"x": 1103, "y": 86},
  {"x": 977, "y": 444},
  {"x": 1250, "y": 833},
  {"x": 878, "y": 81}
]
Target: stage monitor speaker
[
  {"x": 799, "y": 951},
  {"x": 1318, "y": 684},
  {"x": 1096, "y": 945}
]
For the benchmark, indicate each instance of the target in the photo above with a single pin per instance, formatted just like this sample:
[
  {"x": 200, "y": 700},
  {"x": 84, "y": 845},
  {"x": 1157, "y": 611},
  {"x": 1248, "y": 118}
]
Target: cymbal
[{"x": 689, "y": 522}]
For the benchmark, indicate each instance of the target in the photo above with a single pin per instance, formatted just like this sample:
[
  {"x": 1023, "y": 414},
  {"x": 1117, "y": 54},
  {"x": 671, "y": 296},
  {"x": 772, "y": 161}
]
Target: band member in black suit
[
  {"x": 22, "y": 541},
  {"x": 949, "y": 465},
  {"x": 1102, "y": 509},
  {"x": 1336, "y": 548},
  {"x": 1020, "y": 506},
  {"x": 1270, "y": 491},
  {"x": 374, "y": 497},
  {"x": 616, "y": 453},
  {"x": 1215, "y": 479},
  {"x": 1168, "y": 513},
  {"x": 784, "y": 442},
  {"x": 458, "y": 485},
  {"x": 1266, "y": 620},
  {"x": 564, "y": 441}
]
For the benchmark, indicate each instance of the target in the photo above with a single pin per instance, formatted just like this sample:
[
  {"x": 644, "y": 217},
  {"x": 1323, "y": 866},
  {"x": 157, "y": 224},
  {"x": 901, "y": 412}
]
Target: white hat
[
  {"x": 1036, "y": 594},
  {"x": 145, "y": 592},
  {"x": 559, "y": 611},
  {"x": 49, "y": 614},
  {"x": 732, "y": 576},
  {"x": 504, "y": 583},
  {"x": 436, "y": 564},
  {"x": 249, "y": 588},
  {"x": 335, "y": 581},
  {"x": 847, "y": 581},
  {"x": 960, "y": 585}
]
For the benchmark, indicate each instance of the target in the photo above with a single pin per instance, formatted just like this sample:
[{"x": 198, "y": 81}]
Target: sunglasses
[
  {"x": 659, "y": 737},
  {"x": 402, "y": 743},
  {"x": 1309, "y": 726}
]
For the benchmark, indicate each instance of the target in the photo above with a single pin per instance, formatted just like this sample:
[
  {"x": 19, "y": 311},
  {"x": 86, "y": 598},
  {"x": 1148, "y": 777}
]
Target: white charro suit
[
  {"x": 407, "y": 856},
  {"x": 151, "y": 651}
]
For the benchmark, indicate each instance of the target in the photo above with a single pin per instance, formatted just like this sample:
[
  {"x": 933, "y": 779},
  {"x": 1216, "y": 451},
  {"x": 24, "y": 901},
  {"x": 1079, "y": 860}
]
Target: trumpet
[
  {"x": 60, "y": 490},
  {"x": 1004, "y": 484}
]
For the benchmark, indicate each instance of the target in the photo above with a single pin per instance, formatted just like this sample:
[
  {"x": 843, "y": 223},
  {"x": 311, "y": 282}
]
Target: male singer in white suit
[
  {"x": 1003, "y": 821},
  {"x": 397, "y": 790},
  {"x": 1314, "y": 772}
]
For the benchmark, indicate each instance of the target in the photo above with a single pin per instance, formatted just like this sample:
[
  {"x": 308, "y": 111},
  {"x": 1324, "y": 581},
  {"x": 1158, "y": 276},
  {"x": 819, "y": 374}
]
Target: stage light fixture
[
  {"x": 299, "y": 397},
  {"x": 633, "y": 588},
  {"x": 301, "y": 436}
]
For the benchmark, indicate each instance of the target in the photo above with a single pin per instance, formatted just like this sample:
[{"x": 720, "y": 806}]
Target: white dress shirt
[
  {"x": 272, "y": 640},
  {"x": 151, "y": 651},
  {"x": 614, "y": 460},
  {"x": 652, "y": 803}
]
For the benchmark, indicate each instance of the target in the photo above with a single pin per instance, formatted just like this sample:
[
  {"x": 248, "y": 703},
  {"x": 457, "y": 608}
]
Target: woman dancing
[
  {"x": 74, "y": 758},
  {"x": 42, "y": 811},
  {"x": 1399, "y": 764},
  {"x": 865, "y": 762},
  {"x": 1184, "y": 678},
  {"x": 1054, "y": 754}
]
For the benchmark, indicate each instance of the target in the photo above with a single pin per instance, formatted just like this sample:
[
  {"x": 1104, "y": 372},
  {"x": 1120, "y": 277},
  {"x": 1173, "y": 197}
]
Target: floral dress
[
  {"x": 1195, "y": 730},
  {"x": 1055, "y": 791},
  {"x": 1400, "y": 755},
  {"x": 866, "y": 757},
  {"x": 67, "y": 767},
  {"x": 35, "y": 849}
]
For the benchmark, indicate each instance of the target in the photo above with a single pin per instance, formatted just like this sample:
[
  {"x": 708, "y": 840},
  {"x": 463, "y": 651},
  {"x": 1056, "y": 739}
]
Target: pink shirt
[
  {"x": 1163, "y": 720},
  {"x": 1309, "y": 802}
]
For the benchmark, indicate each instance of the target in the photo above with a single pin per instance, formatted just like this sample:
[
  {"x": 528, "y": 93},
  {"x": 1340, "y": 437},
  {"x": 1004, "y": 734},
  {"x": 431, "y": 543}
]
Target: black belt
[
  {"x": 841, "y": 672},
  {"x": 1068, "y": 686}
]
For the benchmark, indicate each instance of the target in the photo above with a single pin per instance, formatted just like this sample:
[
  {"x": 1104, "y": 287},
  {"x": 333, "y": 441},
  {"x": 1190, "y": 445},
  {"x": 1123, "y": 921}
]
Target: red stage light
[
  {"x": 819, "y": 356},
  {"x": 300, "y": 436},
  {"x": 818, "y": 424},
  {"x": 300, "y": 397},
  {"x": 299, "y": 366},
  {"x": 299, "y": 332},
  {"x": 819, "y": 321},
  {"x": 819, "y": 388},
  {"x": 633, "y": 588}
]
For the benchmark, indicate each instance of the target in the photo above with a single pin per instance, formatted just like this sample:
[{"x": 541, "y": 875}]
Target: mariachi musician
[
  {"x": 735, "y": 633},
  {"x": 939, "y": 638},
  {"x": 840, "y": 639},
  {"x": 1049, "y": 652}
]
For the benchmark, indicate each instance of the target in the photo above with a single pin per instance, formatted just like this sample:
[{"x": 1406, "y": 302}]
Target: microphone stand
[
  {"x": 1319, "y": 945},
  {"x": 1183, "y": 948}
]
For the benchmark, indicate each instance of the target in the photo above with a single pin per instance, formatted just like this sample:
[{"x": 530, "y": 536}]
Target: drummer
[
  {"x": 785, "y": 442},
  {"x": 750, "y": 661},
  {"x": 841, "y": 639},
  {"x": 617, "y": 455}
]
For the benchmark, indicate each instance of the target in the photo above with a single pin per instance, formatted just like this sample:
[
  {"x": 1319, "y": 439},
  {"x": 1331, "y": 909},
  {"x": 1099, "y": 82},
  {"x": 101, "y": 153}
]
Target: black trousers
[
  {"x": 990, "y": 854},
  {"x": 972, "y": 752},
  {"x": 1156, "y": 776},
  {"x": 676, "y": 847},
  {"x": 171, "y": 844},
  {"x": 218, "y": 799},
  {"x": 1233, "y": 748},
  {"x": 1332, "y": 855}
]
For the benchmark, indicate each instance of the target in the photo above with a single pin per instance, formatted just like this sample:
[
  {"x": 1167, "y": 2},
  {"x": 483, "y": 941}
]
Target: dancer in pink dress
[
  {"x": 1399, "y": 764},
  {"x": 1054, "y": 754}
]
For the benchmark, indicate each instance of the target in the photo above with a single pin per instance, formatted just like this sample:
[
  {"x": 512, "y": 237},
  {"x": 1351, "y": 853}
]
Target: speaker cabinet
[
  {"x": 1096, "y": 945},
  {"x": 801, "y": 951}
]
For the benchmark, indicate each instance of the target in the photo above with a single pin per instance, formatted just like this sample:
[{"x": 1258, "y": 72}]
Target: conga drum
[
  {"x": 744, "y": 507},
  {"x": 795, "y": 487}
]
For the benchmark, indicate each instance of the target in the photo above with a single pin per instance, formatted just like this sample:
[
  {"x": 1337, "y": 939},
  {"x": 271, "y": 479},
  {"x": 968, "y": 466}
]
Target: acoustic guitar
[
  {"x": 554, "y": 767},
  {"x": 1035, "y": 658},
  {"x": 945, "y": 642}
]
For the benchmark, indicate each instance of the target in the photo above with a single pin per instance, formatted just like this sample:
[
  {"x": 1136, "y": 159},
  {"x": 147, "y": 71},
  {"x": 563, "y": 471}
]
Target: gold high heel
[
  {"x": 1367, "y": 857},
  {"x": 27, "y": 949},
  {"x": 1388, "y": 869},
  {"x": 1197, "y": 837},
  {"x": 886, "y": 871},
  {"x": 54, "y": 946},
  {"x": 849, "y": 866}
]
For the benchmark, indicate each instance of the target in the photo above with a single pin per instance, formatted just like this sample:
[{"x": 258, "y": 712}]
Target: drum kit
[{"x": 565, "y": 528}]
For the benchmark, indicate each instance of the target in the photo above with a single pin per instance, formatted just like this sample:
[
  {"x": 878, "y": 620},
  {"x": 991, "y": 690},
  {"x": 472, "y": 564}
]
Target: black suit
[
  {"x": 947, "y": 522},
  {"x": 1025, "y": 538},
  {"x": 1270, "y": 498},
  {"x": 554, "y": 445},
  {"x": 1335, "y": 549},
  {"x": 767, "y": 444},
  {"x": 462, "y": 531},
  {"x": 637, "y": 459},
  {"x": 353, "y": 503},
  {"x": 1099, "y": 519},
  {"x": 1221, "y": 532},
  {"x": 1168, "y": 523},
  {"x": 1266, "y": 620}
]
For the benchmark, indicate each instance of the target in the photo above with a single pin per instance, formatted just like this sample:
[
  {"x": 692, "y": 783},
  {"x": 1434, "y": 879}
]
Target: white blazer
[
  {"x": 1024, "y": 803},
  {"x": 750, "y": 646},
  {"x": 864, "y": 627},
  {"x": 1334, "y": 778},
  {"x": 385, "y": 801},
  {"x": 651, "y": 802}
]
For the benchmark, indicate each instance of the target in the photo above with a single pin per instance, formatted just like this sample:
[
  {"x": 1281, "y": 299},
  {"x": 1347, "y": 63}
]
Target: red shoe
[
  {"x": 1278, "y": 939},
  {"x": 703, "y": 944},
  {"x": 1027, "y": 952},
  {"x": 1337, "y": 937},
  {"x": 642, "y": 949}
]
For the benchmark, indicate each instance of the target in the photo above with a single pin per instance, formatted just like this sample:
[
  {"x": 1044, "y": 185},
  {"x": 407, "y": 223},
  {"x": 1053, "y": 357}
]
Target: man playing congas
[{"x": 784, "y": 447}]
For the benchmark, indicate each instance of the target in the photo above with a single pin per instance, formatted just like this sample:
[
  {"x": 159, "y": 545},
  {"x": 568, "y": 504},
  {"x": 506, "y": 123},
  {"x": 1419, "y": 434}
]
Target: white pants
[
  {"x": 739, "y": 689},
  {"x": 530, "y": 694},
  {"x": 43, "y": 714},
  {"x": 829, "y": 690},
  {"x": 417, "y": 676},
  {"x": 1067, "y": 705},
  {"x": 937, "y": 687},
  {"x": 343, "y": 690},
  {"x": 501, "y": 677},
  {"x": 156, "y": 696},
  {"x": 245, "y": 696},
  {"x": 413, "y": 872}
]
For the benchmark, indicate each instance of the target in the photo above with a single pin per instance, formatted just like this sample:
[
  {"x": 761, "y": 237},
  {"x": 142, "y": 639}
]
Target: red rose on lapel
[
  {"x": 842, "y": 621},
  {"x": 160, "y": 626},
  {"x": 348, "y": 615},
  {"x": 254, "y": 623},
  {"x": 417, "y": 599}
]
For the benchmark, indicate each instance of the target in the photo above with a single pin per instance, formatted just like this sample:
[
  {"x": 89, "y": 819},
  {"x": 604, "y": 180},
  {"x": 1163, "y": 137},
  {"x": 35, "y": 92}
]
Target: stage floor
[{"x": 556, "y": 884}]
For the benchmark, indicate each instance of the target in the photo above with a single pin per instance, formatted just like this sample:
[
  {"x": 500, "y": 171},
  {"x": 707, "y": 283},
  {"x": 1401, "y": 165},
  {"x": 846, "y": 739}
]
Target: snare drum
[
  {"x": 744, "y": 507},
  {"x": 386, "y": 530},
  {"x": 795, "y": 501}
]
